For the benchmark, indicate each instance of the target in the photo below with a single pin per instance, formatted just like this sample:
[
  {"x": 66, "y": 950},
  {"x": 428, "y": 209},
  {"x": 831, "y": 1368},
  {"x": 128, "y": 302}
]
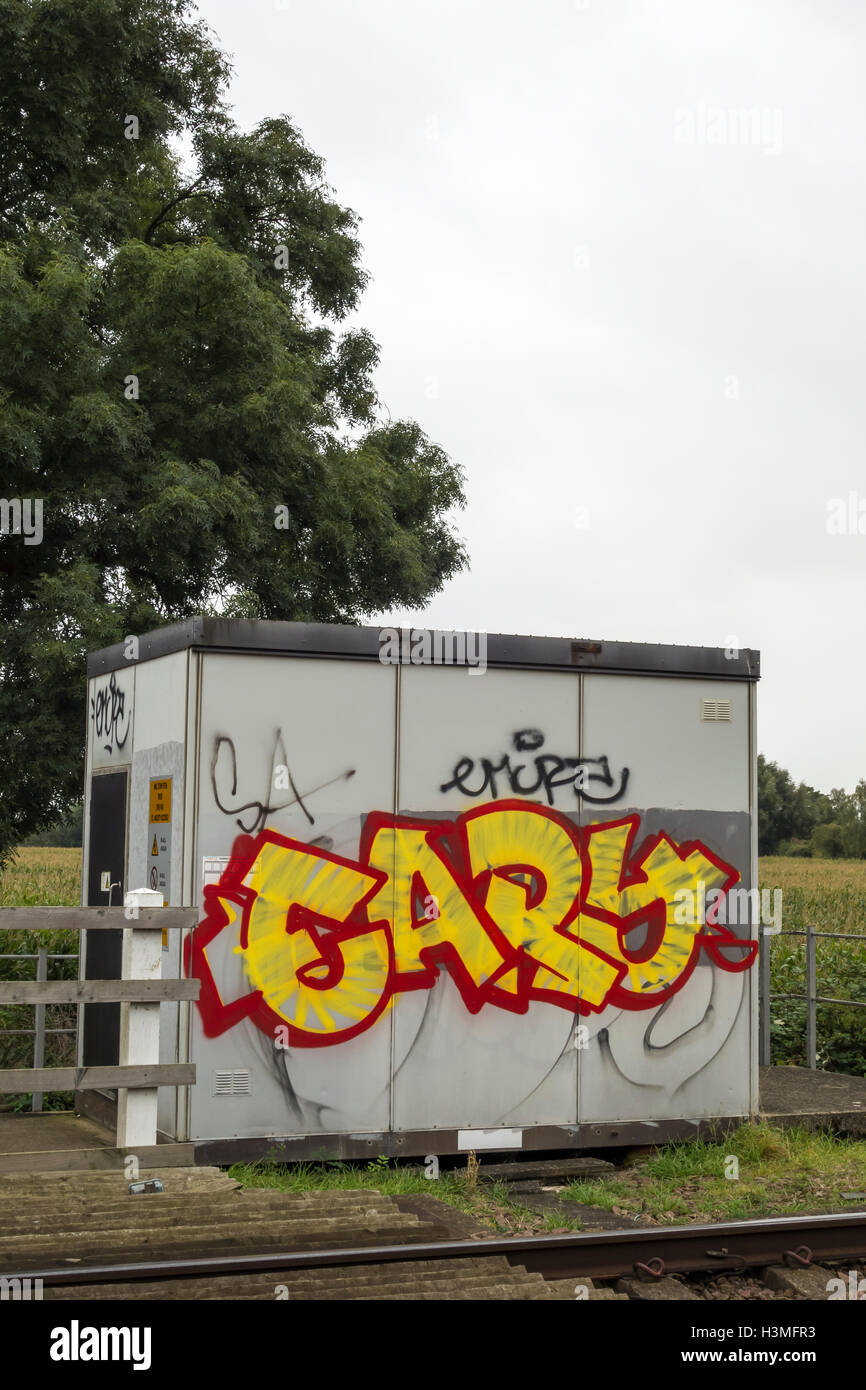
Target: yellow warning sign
[
  {"x": 160, "y": 802},
  {"x": 154, "y": 850}
]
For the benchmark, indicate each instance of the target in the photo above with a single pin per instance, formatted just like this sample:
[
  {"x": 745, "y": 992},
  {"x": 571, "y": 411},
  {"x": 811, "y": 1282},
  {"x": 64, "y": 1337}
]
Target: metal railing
[
  {"x": 39, "y": 1032},
  {"x": 810, "y": 997}
]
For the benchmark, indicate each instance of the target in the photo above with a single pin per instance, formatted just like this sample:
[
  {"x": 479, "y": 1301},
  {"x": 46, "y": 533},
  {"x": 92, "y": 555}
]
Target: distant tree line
[
  {"x": 796, "y": 819},
  {"x": 65, "y": 833}
]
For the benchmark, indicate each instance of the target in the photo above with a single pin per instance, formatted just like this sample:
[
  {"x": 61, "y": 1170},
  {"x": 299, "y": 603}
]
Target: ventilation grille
[
  {"x": 718, "y": 711},
  {"x": 232, "y": 1083}
]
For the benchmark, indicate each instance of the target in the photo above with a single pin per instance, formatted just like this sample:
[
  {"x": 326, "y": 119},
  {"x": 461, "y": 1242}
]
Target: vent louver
[
  {"x": 716, "y": 711},
  {"x": 232, "y": 1083}
]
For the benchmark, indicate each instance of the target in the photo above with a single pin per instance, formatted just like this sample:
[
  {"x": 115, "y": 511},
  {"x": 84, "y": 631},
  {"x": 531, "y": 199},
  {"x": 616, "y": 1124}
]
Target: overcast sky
[{"x": 619, "y": 274}]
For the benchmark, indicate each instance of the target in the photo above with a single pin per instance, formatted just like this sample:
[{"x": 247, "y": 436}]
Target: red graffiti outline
[
  {"x": 449, "y": 842},
  {"x": 218, "y": 1016},
  {"x": 440, "y": 838},
  {"x": 632, "y": 875},
  {"x": 528, "y": 968}
]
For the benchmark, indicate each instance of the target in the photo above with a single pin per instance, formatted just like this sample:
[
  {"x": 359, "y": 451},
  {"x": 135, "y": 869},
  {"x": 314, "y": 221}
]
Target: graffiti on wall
[
  {"x": 224, "y": 785},
  {"x": 511, "y": 899},
  {"x": 546, "y": 772},
  {"x": 111, "y": 715}
]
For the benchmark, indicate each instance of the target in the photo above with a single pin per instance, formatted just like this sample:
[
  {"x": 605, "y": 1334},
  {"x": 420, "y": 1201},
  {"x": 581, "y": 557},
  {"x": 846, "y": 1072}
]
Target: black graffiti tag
[
  {"x": 260, "y": 809},
  {"x": 545, "y": 773},
  {"x": 110, "y": 715}
]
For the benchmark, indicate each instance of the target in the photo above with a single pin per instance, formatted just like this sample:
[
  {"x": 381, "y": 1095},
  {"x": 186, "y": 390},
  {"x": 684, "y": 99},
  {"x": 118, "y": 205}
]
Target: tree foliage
[
  {"x": 798, "y": 819},
  {"x": 175, "y": 384}
]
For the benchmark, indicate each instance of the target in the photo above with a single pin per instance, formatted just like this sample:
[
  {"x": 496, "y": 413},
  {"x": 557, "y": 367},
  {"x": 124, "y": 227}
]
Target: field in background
[
  {"x": 39, "y": 878},
  {"x": 829, "y": 895},
  {"x": 42, "y": 878},
  {"x": 814, "y": 889},
  {"x": 813, "y": 886}
]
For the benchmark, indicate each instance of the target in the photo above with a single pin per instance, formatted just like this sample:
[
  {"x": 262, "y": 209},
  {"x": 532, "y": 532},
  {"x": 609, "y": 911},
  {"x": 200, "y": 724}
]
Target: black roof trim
[{"x": 363, "y": 644}]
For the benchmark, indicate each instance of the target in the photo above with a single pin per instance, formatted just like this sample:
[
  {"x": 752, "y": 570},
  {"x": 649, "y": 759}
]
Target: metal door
[{"x": 107, "y": 855}]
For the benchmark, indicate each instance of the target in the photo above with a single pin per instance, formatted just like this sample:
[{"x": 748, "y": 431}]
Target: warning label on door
[
  {"x": 160, "y": 801},
  {"x": 159, "y": 836}
]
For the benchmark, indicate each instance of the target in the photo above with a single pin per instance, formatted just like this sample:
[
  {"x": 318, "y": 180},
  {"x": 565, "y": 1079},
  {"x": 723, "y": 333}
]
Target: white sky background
[{"x": 587, "y": 312}]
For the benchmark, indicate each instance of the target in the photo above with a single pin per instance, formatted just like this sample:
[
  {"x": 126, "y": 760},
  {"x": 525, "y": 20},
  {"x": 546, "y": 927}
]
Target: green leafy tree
[
  {"x": 175, "y": 384},
  {"x": 845, "y": 835},
  {"x": 828, "y": 840},
  {"x": 66, "y": 834},
  {"x": 787, "y": 811}
]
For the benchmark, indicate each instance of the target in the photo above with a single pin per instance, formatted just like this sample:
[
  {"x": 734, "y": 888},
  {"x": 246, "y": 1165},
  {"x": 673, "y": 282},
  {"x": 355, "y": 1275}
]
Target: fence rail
[
  {"x": 139, "y": 992},
  {"x": 810, "y": 996},
  {"x": 96, "y": 991},
  {"x": 96, "y": 918},
  {"x": 132, "y": 1078}
]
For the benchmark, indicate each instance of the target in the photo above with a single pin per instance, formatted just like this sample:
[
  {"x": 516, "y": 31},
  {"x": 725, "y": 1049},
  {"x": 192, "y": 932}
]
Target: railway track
[
  {"x": 795, "y": 1257},
  {"x": 86, "y": 1237}
]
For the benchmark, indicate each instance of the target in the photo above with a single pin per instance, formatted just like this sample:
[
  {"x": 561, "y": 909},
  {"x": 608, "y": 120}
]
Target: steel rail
[{"x": 724, "y": 1246}]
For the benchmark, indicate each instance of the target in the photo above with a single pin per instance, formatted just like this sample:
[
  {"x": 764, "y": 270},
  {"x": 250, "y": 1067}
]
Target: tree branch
[{"x": 175, "y": 202}]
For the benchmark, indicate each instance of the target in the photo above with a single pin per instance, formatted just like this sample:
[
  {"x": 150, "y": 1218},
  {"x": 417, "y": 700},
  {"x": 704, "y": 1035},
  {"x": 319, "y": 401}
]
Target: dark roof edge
[{"x": 363, "y": 644}]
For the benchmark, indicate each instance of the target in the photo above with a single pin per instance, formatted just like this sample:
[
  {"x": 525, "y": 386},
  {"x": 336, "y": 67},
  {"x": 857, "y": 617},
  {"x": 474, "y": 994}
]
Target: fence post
[
  {"x": 139, "y": 1026},
  {"x": 39, "y": 1024},
  {"x": 764, "y": 1017},
  {"x": 811, "y": 1005}
]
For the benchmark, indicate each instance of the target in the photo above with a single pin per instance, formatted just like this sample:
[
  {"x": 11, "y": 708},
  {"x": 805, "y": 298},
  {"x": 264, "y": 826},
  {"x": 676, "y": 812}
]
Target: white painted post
[{"x": 139, "y": 1024}]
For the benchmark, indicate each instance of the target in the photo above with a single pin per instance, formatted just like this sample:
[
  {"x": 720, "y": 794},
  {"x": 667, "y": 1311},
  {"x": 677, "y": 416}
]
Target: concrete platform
[
  {"x": 64, "y": 1142},
  {"x": 813, "y": 1099},
  {"x": 29, "y": 1133}
]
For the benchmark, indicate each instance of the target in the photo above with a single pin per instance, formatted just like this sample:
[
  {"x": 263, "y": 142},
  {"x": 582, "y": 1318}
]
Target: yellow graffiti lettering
[
  {"x": 406, "y": 856},
  {"x": 667, "y": 875},
  {"x": 534, "y": 889},
  {"x": 516, "y": 902},
  {"x": 317, "y": 986}
]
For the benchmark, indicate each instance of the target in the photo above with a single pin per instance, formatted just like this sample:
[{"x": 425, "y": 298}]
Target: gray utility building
[{"x": 455, "y": 893}]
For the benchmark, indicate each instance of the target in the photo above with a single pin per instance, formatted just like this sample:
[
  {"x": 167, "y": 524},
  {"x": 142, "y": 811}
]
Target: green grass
[
  {"x": 781, "y": 1172},
  {"x": 489, "y": 1203}
]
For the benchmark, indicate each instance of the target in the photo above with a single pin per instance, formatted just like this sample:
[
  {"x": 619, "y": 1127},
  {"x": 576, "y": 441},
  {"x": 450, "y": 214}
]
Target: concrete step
[
  {"x": 133, "y": 1247},
  {"x": 143, "y": 1211},
  {"x": 511, "y": 1282},
  {"x": 205, "y": 1175},
  {"x": 105, "y": 1184},
  {"x": 485, "y": 1278},
  {"x": 68, "y": 1231},
  {"x": 263, "y": 1285},
  {"x": 375, "y": 1279},
  {"x": 158, "y": 1210},
  {"x": 72, "y": 1242},
  {"x": 99, "y": 1160}
]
